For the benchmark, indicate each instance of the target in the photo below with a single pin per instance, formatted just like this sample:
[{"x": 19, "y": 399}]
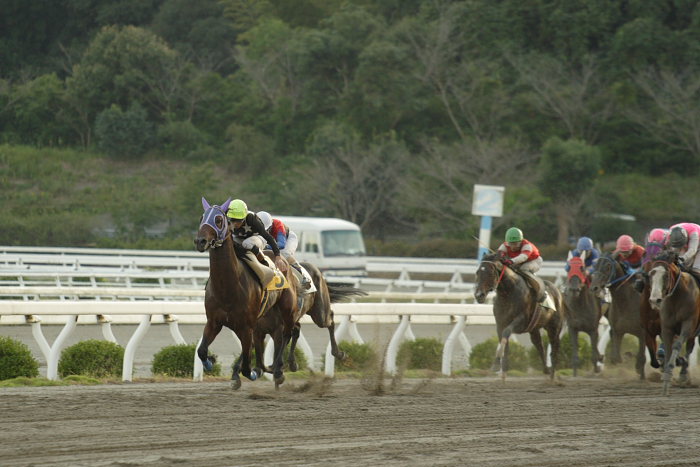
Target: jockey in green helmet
[
  {"x": 249, "y": 232},
  {"x": 522, "y": 255}
]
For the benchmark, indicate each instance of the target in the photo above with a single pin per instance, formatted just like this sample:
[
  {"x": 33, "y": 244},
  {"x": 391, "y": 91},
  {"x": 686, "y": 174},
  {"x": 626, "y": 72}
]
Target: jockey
[
  {"x": 523, "y": 256},
  {"x": 684, "y": 239},
  {"x": 248, "y": 231},
  {"x": 628, "y": 253},
  {"x": 287, "y": 241},
  {"x": 585, "y": 250},
  {"x": 655, "y": 242}
]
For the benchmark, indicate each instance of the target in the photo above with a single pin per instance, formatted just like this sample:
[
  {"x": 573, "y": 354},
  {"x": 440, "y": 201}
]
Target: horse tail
[{"x": 342, "y": 292}]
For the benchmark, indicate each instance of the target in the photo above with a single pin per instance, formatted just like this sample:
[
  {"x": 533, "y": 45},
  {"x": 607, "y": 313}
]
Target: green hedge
[
  {"x": 484, "y": 353},
  {"x": 96, "y": 358},
  {"x": 178, "y": 361},
  {"x": 16, "y": 360},
  {"x": 421, "y": 354}
]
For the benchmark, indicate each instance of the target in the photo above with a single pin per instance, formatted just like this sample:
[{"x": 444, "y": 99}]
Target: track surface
[{"x": 469, "y": 421}]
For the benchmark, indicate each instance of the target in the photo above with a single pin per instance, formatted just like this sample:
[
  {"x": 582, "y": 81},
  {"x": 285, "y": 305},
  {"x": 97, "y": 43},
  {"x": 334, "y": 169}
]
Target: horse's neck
[
  {"x": 512, "y": 283},
  {"x": 225, "y": 270}
]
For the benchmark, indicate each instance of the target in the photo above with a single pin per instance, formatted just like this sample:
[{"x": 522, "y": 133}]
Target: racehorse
[
  {"x": 516, "y": 310},
  {"x": 234, "y": 296},
  {"x": 623, "y": 314},
  {"x": 675, "y": 294},
  {"x": 582, "y": 310},
  {"x": 315, "y": 304}
]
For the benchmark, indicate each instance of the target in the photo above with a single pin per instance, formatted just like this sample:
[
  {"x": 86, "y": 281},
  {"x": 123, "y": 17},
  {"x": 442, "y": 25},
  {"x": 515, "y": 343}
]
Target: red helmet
[{"x": 625, "y": 243}]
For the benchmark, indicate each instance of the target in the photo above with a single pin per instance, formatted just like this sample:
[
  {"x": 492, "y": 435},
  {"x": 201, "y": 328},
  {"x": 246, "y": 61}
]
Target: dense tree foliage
[{"x": 383, "y": 112}]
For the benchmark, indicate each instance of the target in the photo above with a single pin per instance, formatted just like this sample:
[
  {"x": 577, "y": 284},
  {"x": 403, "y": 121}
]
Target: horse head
[
  {"x": 213, "y": 226},
  {"x": 664, "y": 276},
  {"x": 576, "y": 278},
  {"x": 488, "y": 276},
  {"x": 604, "y": 271}
]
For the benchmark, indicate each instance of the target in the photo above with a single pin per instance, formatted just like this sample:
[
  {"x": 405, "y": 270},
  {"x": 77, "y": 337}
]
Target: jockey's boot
[
  {"x": 537, "y": 284},
  {"x": 305, "y": 284},
  {"x": 265, "y": 274},
  {"x": 259, "y": 255}
]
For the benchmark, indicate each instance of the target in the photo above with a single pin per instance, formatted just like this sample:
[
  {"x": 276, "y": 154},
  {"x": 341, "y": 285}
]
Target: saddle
[{"x": 536, "y": 284}]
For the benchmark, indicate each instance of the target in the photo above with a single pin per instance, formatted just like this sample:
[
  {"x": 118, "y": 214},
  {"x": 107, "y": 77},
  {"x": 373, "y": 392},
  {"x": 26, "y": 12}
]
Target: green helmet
[
  {"x": 237, "y": 209},
  {"x": 514, "y": 234}
]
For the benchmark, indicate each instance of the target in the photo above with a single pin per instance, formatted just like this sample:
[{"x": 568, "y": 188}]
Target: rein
[{"x": 624, "y": 277}]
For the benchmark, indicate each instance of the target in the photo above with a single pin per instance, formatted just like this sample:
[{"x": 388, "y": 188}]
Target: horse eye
[{"x": 219, "y": 222}]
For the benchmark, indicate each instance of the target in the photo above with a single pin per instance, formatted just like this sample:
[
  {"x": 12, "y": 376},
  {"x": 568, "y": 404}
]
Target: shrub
[
  {"x": 96, "y": 358},
  {"x": 565, "y": 352},
  {"x": 125, "y": 134},
  {"x": 16, "y": 360},
  {"x": 483, "y": 355},
  {"x": 421, "y": 353},
  {"x": 359, "y": 356},
  {"x": 178, "y": 139},
  {"x": 178, "y": 361},
  {"x": 302, "y": 362}
]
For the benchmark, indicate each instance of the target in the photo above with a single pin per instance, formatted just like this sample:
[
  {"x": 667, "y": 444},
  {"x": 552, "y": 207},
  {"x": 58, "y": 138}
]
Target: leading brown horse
[
  {"x": 675, "y": 294},
  {"x": 234, "y": 296},
  {"x": 516, "y": 310}
]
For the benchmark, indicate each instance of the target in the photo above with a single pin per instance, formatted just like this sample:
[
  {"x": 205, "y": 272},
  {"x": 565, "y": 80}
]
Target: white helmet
[{"x": 266, "y": 219}]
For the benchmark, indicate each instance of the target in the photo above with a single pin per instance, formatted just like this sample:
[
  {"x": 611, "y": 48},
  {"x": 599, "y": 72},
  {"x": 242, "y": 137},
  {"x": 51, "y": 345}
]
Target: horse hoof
[
  {"x": 293, "y": 366},
  {"x": 341, "y": 356},
  {"x": 279, "y": 380},
  {"x": 207, "y": 365},
  {"x": 253, "y": 375},
  {"x": 236, "y": 384}
]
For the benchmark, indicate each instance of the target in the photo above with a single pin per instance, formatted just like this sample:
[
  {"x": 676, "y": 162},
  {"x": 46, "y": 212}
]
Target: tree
[{"x": 568, "y": 171}]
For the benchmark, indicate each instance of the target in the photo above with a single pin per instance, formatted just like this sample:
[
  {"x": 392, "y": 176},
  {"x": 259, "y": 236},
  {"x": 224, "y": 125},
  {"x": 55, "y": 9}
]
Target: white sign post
[{"x": 488, "y": 203}]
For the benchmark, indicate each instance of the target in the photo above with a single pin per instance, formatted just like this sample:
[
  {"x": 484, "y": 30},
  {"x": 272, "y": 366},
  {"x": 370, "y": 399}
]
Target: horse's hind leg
[
  {"x": 211, "y": 330},
  {"x": 291, "y": 358},
  {"x": 335, "y": 351},
  {"x": 641, "y": 358},
  {"x": 554, "y": 341},
  {"x": 616, "y": 345},
  {"x": 242, "y": 364},
  {"x": 536, "y": 340},
  {"x": 684, "y": 377},
  {"x": 259, "y": 345}
]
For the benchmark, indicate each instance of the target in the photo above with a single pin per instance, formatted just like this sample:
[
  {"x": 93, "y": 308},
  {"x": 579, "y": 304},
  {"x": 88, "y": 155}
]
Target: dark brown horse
[
  {"x": 582, "y": 310},
  {"x": 315, "y": 304},
  {"x": 516, "y": 310},
  {"x": 234, "y": 296},
  {"x": 623, "y": 314},
  {"x": 675, "y": 294}
]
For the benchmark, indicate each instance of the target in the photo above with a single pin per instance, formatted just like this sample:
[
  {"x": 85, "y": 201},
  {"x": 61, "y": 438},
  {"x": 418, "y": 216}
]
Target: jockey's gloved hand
[{"x": 507, "y": 262}]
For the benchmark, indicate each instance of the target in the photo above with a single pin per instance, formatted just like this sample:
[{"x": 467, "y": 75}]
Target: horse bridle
[
  {"x": 500, "y": 276},
  {"x": 609, "y": 282},
  {"x": 209, "y": 218},
  {"x": 668, "y": 267}
]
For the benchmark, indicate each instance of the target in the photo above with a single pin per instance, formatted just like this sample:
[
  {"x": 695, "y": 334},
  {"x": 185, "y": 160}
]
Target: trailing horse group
[{"x": 653, "y": 291}]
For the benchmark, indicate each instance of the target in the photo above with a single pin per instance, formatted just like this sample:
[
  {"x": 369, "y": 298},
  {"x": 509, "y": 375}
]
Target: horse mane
[
  {"x": 667, "y": 256},
  {"x": 495, "y": 257}
]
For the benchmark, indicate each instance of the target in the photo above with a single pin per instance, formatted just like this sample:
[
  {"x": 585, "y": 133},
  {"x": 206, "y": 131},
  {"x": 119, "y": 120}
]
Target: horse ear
[
  {"x": 224, "y": 207},
  {"x": 205, "y": 204}
]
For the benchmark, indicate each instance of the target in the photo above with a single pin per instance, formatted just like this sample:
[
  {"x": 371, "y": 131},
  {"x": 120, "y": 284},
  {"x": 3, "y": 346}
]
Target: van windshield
[{"x": 342, "y": 243}]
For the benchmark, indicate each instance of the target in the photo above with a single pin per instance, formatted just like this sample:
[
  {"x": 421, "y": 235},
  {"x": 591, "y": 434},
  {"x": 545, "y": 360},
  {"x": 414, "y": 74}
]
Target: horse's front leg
[
  {"x": 684, "y": 377},
  {"x": 211, "y": 330},
  {"x": 502, "y": 350},
  {"x": 650, "y": 341},
  {"x": 536, "y": 340},
  {"x": 616, "y": 346},
  {"x": 554, "y": 341},
  {"x": 669, "y": 359},
  {"x": 573, "y": 336},
  {"x": 595, "y": 356},
  {"x": 242, "y": 364}
]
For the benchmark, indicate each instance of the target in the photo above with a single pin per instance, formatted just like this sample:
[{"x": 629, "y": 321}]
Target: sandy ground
[{"x": 526, "y": 421}]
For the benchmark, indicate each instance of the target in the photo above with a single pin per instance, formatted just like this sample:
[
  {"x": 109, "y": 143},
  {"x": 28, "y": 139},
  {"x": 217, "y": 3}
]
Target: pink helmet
[
  {"x": 657, "y": 236},
  {"x": 625, "y": 243}
]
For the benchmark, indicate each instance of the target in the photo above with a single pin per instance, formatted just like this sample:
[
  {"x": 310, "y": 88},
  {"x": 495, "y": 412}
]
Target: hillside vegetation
[{"x": 116, "y": 117}]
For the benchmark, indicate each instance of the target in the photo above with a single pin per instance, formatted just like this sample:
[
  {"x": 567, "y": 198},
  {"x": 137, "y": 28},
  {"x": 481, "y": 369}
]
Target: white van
[{"x": 335, "y": 246}]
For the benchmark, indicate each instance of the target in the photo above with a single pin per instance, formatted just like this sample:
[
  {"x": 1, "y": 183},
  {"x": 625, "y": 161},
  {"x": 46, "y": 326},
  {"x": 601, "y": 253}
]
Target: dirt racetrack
[{"x": 464, "y": 421}]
